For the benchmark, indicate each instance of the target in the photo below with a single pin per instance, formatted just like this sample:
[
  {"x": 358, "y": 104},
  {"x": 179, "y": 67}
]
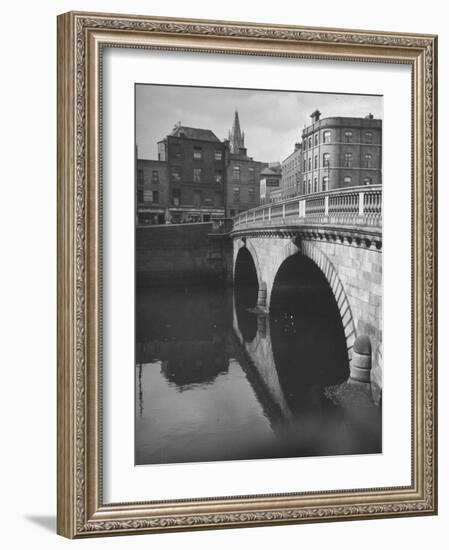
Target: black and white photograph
[{"x": 258, "y": 274}]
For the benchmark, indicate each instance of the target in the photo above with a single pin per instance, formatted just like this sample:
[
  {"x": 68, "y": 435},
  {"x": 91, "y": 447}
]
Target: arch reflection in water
[{"x": 217, "y": 382}]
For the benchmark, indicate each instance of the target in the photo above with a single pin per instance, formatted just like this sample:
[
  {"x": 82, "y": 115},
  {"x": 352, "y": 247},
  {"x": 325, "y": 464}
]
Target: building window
[
  {"x": 218, "y": 199},
  {"x": 316, "y": 139},
  {"x": 310, "y": 163},
  {"x": 310, "y": 142},
  {"x": 236, "y": 194},
  {"x": 305, "y": 165},
  {"x": 252, "y": 174},
  {"x": 156, "y": 196},
  {"x": 367, "y": 181},
  {"x": 139, "y": 195},
  {"x": 325, "y": 183},
  {"x": 197, "y": 175},
  {"x": 218, "y": 176},
  {"x": 368, "y": 158},
  {"x": 197, "y": 153},
  {"x": 208, "y": 201},
  {"x": 315, "y": 161},
  {"x": 348, "y": 136},
  {"x": 251, "y": 194},
  {"x": 347, "y": 181},
  {"x": 176, "y": 173},
  {"x": 232, "y": 213},
  {"x": 218, "y": 155},
  {"x": 327, "y": 136},
  {"x": 304, "y": 190},
  {"x": 348, "y": 160},
  {"x": 197, "y": 199},
  {"x": 315, "y": 185},
  {"x": 309, "y": 186},
  {"x": 155, "y": 176},
  {"x": 176, "y": 197},
  {"x": 236, "y": 173},
  {"x": 140, "y": 177},
  {"x": 326, "y": 159},
  {"x": 368, "y": 137},
  {"x": 177, "y": 150}
]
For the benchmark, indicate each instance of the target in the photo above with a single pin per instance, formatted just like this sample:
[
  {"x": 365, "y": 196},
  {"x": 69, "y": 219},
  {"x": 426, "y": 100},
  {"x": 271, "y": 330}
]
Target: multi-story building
[
  {"x": 195, "y": 160},
  {"x": 292, "y": 172},
  {"x": 242, "y": 173},
  {"x": 341, "y": 152},
  {"x": 152, "y": 191},
  {"x": 197, "y": 177},
  {"x": 270, "y": 183}
]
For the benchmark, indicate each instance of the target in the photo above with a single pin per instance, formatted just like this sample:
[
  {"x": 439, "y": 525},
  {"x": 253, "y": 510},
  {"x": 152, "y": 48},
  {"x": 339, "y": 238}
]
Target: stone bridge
[{"x": 337, "y": 232}]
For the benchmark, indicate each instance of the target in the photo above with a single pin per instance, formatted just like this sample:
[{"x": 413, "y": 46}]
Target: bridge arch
[
  {"x": 325, "y": 265},
  {"x": 329, "y": 271}
]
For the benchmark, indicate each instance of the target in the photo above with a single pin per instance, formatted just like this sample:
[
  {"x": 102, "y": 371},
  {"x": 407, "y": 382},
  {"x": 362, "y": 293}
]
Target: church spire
[{"x": 236, "y": 137}]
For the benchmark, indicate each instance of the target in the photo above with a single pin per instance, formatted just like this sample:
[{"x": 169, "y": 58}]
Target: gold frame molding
[{"x": 81, "y": 37}]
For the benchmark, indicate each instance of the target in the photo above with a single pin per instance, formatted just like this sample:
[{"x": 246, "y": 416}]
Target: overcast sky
[{"x": 272, "y": 121}]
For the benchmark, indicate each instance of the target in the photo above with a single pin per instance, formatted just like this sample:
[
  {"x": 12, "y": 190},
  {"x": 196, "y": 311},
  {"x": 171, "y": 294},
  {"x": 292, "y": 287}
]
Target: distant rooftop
[
  {"x": 273, "y": 171},
  {"x": 194, "y": 133}
]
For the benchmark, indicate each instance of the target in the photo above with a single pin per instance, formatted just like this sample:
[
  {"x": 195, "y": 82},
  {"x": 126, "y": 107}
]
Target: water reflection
[{"x": 216, "y": 382}]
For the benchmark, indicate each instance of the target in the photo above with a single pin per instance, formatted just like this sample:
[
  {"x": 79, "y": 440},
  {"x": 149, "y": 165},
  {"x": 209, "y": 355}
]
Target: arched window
[
  {"x": 309, "y": 185},
  {"x": 368, "y": 137},
  {"x": 315, "y": 185},
  {"x": 236, "y": 173},
  {"x": 348, "y": 136},
  {"x": 327, "y": 136},
  {"x": 326, "y": 159},
  {"x": 348, "y": 159},
  {"x": 347, "y": 181},
  {"x": 367, "y": 181},
  {"x": 368, "y": 158}
]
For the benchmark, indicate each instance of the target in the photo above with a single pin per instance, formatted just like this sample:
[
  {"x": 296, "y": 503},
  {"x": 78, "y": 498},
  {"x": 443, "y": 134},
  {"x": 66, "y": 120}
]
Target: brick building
[
  {"x": 292, "y": 173},
  {"x": 242, "y": 173},
  {"x": 197, "y": 177},
  {"x": 152, "y": 191},
  {"x": 341, "y": 152},
  {"x": 195, "y": 160}
]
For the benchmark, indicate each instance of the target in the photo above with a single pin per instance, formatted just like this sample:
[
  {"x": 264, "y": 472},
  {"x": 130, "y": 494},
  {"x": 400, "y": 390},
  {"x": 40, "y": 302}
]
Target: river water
[{"x": 220, "y": 382}]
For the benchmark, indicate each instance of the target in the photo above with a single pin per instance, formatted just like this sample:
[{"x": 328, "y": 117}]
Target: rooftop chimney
[
  {"x": 315, "y": 116},
  {"x": 370, "y": 116}
]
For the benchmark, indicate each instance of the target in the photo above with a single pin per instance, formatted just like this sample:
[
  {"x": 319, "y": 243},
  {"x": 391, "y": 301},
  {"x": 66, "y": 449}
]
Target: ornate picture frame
[{"x": 82, "y": 39}]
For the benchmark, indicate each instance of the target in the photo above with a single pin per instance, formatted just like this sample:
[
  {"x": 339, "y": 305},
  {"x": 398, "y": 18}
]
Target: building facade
[
  {"x": 242, "y": 173},
  {"x": 270, "y": 183},
  {"x": 197, "y": 177},
  {"x": 292, "y": 173},
  {"x": 341, "y": 152},
  {"x": 152, "y": 191},
  {"x": 195, "y": 160}
]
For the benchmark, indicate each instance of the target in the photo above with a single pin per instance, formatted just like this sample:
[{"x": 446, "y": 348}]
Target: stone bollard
[
  {"x": 262, "y": 295},
  {"x": 360, "y": 365}
]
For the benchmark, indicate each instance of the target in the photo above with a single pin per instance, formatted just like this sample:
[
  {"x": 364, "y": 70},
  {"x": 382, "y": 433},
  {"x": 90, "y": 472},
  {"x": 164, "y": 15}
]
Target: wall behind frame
[{"x": 28, "y": 275}]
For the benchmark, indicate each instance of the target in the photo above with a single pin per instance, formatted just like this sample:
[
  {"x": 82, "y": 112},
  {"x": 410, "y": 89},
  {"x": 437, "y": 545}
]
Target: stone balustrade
[{"x": 359, "y": 206}]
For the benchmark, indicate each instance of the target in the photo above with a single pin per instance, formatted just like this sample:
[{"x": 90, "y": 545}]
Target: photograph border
[{"x": 81, "y": 39}]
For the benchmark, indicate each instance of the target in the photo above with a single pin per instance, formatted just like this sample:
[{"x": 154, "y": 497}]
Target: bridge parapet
[{"x": 351, "y": 206}]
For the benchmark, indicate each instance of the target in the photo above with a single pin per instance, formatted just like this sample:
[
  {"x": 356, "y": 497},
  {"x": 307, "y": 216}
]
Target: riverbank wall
[{"x": 190, "y": 253}]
